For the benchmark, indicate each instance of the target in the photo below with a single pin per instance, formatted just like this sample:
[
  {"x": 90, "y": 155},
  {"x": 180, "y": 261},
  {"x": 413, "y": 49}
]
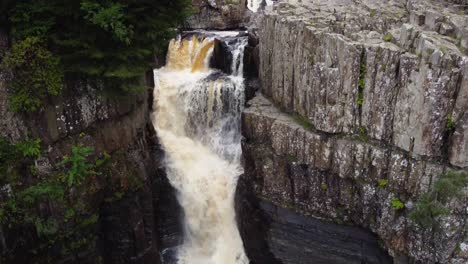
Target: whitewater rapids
[{"x": 197, "y": 120}]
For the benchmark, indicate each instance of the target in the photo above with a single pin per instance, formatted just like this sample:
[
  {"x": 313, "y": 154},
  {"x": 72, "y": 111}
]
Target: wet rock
[
  {"x": 222, "y": 57},
  {"x": 218, "y": 14}
]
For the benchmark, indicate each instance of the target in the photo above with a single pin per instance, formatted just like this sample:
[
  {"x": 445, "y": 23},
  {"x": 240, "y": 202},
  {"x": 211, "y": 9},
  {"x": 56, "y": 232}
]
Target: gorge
[
  {"x": 298, "y": 131},
  {"x": 197, "y": 118}
]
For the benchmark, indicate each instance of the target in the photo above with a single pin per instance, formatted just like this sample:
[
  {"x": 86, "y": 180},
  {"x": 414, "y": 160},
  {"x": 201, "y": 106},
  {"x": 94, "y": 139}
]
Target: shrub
[
  {"x": 431, "y": 206},
  {"x": 108, "y": 42},
  {"x": 37, "y": 74},
  {"x": 65, "y": 190},
  {"x": 427, "y": 211},
  {"x": 110, "y": 17},
  {"x": 78, "y": 165},
  {"x": 12, "y": 156}
]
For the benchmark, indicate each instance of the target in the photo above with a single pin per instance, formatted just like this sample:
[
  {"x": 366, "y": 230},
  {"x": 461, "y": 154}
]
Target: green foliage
[
  {"x": 8, "y": 155},
  {"x": 427, "y": 211},
  {"x": 361, "y": 82},
  {"x": 304, "y": 122},
  {"x": 30, "y": 148},
  {"x": 388, "y": 37},
  {"x": 11, "y": 156},
  {"x": 41, "y": 192},
  {"x": 66, "y": 189},
  {"x": 78, "y": 164},
  {"x": 110, "y": 43},
  {"x": 397, "y": 203},
  {"x": 450, "y": 185},
  {"x": 372, "y": 12},
  {"x": 37, "y": 74},
  {"x": 382, "y": 183},
  {"x": 431, "y": 206},
  {"x": 46, "y": 227},
  {"x": 450, "y": 123},
  {"x": 291, "y": 158},
  {"x": 324, "y": 186},
  {"x": 110, "y": 17},
  {"x": 363, "y": 136}
]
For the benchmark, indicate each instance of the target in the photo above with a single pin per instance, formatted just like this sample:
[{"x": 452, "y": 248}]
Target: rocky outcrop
[
  {"x": 276, "y": 234},
  {"x": 218, "y": 14},
  {"x": 336, "y": 177},
  {"x": 367, "y": 91},
  {"x": 367, "y": 69}
]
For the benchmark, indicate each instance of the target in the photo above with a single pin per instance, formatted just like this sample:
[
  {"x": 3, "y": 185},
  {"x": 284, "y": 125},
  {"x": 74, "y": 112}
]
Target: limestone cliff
[{"x": 361, "y": 91}]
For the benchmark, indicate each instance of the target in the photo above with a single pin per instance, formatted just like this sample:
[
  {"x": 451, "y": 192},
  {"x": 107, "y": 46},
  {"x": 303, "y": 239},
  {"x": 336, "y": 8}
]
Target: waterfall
[{"x": 197, "y": 118}]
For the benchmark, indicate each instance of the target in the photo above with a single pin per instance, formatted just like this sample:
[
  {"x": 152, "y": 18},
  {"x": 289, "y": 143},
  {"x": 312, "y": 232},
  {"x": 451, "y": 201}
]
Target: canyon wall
[
  {"x": 127, "y": 227},
  {"x": 363, "y": 107}
]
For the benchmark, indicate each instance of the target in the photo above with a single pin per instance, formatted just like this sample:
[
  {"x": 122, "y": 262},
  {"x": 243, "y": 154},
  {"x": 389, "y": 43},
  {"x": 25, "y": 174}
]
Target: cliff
[
  {"x": 363, "y": 105},
  {"x": 127, "y": 230}
]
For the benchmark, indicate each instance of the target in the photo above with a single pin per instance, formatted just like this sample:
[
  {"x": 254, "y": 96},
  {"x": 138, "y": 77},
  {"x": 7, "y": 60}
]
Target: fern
[
  {"x": 30, "y": 148},
  {"x": 79, "y": 166}
]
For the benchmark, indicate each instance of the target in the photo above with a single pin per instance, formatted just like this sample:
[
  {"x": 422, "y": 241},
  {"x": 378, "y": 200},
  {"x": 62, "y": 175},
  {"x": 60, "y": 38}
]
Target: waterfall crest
[{"x": 197, "y": 118}]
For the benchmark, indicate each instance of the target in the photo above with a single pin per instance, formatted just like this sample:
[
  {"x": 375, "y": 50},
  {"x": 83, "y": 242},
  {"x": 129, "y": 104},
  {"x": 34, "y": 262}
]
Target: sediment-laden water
[{"x": 197, "y": 118}]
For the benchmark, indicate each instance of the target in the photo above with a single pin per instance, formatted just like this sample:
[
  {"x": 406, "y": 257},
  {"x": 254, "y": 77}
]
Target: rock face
[
  {"x": 410, "y": 81},
  {"x": 367, "y": 91},
  {"x": 128, "y": 231},
  {"x": 218, "y": 14},
  {"x": 276, "y": 235}
]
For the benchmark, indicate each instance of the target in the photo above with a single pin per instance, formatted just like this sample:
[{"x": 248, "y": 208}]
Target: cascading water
[{"x": 197, "y": 118}]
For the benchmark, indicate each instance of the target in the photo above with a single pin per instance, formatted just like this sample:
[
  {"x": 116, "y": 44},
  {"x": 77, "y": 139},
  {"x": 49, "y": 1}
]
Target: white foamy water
[{"x": 197, "y": 118}]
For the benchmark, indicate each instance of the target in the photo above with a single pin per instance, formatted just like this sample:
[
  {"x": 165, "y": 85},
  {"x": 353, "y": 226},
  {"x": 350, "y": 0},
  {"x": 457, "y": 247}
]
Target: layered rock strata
[{"x": 362, "y": 91}]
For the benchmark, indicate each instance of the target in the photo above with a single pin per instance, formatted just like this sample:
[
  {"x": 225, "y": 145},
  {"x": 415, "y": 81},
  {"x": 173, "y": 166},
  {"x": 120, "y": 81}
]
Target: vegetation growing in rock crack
[
  {"x": 397, "y": 203},
  {"x": 388, "y": 37},
  {"x": 432, "y": 205},
  {"x": 361, "y": 81},
  {"x": 53, "y": 206},
  {"x": 450, "y": 123},
  {"x": 291, "y": 158},
  {"x": 382, "y": 183},
  {"x": 108, "y": 42},
  {"x": 304, "y": 122}
]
